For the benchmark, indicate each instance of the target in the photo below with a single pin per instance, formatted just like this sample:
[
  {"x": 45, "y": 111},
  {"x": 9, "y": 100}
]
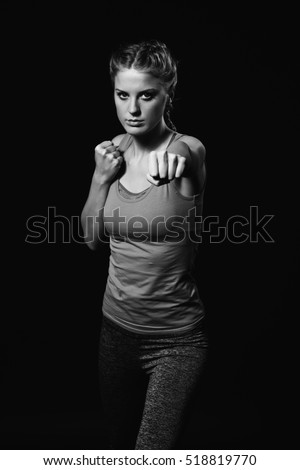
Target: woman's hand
[
  {"x": 108, "y": 162},
  {"x": 164, "y": 166}
]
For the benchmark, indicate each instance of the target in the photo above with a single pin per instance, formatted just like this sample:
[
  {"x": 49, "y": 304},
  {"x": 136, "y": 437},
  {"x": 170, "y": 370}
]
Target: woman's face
[{"x": 140, "y": 100}]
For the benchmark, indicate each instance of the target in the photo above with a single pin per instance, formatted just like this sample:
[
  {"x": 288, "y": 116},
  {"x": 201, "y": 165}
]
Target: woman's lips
[{"x": 134, "y": 123}]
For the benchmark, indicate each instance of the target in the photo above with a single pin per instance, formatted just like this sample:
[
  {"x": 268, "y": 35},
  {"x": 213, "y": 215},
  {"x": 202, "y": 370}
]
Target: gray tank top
[{"x": 150, "y": 287}]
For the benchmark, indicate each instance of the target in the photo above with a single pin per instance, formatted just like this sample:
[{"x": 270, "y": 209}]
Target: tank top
[{"x": 151, "y": 287}]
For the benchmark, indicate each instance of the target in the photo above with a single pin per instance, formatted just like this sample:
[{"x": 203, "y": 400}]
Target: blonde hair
[{"x": 152, "y": 56}]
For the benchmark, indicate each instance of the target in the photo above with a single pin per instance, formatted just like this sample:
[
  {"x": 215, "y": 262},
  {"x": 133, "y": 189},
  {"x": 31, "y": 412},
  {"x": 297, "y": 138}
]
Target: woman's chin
[{"x": 135, "y": 130}]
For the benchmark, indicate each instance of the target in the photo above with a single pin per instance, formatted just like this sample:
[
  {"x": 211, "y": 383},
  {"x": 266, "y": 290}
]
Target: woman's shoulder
[
  {"x": 193, "y": 142},
  {"x": 196, "y": 147}
]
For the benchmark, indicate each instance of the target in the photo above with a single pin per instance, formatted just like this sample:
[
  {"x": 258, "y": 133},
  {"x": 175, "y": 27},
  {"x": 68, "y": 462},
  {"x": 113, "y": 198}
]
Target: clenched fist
[
  {"x": 108, "y": 162},
  {"x": 165, "y": 165}
]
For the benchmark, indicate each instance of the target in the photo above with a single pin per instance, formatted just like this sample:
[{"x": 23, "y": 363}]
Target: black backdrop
[{"x": 236, "y": 93}]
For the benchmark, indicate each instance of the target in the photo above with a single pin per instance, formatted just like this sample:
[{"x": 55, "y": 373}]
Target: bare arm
[
  {"x": 108, "y": 162},
  {"x": 193, "y": 178},
  {"x": 92, "y": 214}
]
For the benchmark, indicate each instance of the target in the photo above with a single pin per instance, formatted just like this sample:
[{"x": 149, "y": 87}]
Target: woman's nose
[{"x": 134, "y": 107}]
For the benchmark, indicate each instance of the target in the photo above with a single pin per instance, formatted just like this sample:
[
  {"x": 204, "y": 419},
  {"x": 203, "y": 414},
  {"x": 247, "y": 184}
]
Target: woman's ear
[{"x": 169, "y": 100}]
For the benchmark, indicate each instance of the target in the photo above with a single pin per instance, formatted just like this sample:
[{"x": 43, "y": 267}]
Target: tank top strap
[{"x": 174, "y": 138}]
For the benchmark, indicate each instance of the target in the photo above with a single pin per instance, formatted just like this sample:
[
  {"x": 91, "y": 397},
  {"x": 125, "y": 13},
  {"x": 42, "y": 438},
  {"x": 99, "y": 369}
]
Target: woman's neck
[{"x": 144, "y": 144}]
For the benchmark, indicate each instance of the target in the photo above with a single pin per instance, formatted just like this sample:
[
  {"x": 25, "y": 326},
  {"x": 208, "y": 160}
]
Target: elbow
[
  {"x": 92, "y": 245},
  {"x": 93, "y": 234},
  {"x": 91, "y": 242},
  {"x": 94, "y": 242}
]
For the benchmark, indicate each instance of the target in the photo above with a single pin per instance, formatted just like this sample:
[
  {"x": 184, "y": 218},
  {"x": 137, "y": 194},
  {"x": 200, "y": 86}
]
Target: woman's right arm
[{"x": 108, "y": 162}]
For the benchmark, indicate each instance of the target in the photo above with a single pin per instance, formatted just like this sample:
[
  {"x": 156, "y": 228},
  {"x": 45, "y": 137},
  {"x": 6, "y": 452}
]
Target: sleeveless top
[{"x": 150, "y": 287}]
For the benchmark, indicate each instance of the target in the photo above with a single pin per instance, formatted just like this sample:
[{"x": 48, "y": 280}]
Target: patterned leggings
[{"x": 146, "y": 383}]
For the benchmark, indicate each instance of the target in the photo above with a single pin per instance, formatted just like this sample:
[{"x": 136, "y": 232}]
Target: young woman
[{"x": 146, "y": 195}]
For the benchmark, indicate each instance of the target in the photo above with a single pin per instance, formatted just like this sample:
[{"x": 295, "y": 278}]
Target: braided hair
[{"x": 154, "y": 57}]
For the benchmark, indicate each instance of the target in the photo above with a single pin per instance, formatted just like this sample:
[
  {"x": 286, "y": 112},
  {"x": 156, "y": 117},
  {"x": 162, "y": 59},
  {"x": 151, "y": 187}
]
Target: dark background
[{"x": 236, "y": 93}]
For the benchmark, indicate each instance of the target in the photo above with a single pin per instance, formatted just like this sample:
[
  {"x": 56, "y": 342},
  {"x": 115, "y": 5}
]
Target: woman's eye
[
  {"x": 147, "y": 96},
  {"x": 144, "y": 96},
  {"x": 122, "y": 96}
]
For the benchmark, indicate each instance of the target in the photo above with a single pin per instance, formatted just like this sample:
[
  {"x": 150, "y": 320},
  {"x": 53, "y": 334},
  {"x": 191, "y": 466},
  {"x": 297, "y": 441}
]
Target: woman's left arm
[{"x": 192, "y": 179}]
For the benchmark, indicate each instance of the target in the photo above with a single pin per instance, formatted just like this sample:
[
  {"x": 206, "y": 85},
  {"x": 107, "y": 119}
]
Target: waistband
[{"x": 200, "y": 327}]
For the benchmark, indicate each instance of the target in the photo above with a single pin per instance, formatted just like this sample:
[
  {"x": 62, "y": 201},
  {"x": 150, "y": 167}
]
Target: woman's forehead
[{"x": 135, "y": 79}]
